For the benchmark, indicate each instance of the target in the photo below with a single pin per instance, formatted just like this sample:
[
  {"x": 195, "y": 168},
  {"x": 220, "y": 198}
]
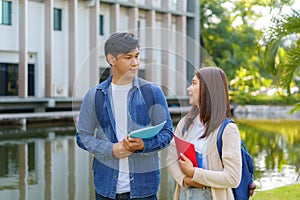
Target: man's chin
[{"x": 131, "y": 74}]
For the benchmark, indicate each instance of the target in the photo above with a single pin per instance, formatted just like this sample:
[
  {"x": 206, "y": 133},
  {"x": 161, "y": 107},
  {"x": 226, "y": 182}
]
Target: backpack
[{"x": 242, "y": 191}]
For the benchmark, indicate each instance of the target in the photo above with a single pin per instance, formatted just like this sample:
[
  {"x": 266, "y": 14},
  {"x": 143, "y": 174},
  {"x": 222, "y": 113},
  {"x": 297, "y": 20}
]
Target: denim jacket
[{"x": 98, "y": 136}]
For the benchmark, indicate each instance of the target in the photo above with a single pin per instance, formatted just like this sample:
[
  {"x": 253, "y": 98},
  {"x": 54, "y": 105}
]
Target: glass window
[
  {"x": 5, "y": 12},
  {"x": 57, "y": 19},
  {"x": 139, "y": 28},
  {"x": 30, "y": 80},
  {"x": 101, "y": 23},
  {"x": 9, "y": 79}
]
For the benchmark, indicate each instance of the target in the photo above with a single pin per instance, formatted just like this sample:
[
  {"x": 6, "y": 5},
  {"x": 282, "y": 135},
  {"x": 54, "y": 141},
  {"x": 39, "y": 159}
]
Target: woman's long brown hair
[{"x": 213, "y": 106}]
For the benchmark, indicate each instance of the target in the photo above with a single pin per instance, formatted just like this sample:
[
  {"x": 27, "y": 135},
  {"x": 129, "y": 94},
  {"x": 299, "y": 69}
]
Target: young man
[{"x": 124, "y": 167}]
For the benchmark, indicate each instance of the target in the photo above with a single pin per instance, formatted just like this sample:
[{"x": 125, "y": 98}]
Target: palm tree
[{"x": 281, "y": 58}]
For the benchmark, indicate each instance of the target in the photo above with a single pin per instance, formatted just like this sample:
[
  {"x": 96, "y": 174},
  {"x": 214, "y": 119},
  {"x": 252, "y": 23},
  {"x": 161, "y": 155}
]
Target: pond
[{"x": 43, "y": 162}]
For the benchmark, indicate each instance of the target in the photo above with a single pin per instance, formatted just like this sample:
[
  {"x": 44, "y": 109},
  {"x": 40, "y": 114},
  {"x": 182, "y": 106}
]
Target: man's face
[{"x": 126, "y": 66}]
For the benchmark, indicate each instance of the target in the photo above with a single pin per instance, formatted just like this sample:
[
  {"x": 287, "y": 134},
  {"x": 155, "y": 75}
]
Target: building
[{"x": 49, "y": 48}]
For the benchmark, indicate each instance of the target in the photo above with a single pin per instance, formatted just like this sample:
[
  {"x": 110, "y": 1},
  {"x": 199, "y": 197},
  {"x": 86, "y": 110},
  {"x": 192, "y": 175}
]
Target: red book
[{"x": 187, "y": 148}]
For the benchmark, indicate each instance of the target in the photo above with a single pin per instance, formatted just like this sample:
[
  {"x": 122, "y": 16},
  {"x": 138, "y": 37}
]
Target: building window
[
  {"x": 30, "y": 79},
  {"x": 139, "y": 28},
  {"x": 5, "y": 12},
  {"x": 57, "y": 19},
  {"x": 9, "y": 79},
  {"x": 101, "y": 23}
]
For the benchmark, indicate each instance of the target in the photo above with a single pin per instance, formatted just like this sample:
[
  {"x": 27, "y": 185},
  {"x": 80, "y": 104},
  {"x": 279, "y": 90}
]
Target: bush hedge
[{"x": 243, "y": 98}]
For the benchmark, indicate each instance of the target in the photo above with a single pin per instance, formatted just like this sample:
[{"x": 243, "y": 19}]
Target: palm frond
[
  {"x": 288, "y": 66},
  {"x": 280, "y": 27}
]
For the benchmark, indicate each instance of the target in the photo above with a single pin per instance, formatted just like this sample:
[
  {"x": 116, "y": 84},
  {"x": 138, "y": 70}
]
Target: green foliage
[
  {"x": 282, "y": 59},
  {"x": 243, "y": 98},
  {"x": 249, "y": 80},
  {"x": 295, "y": 108},
  {"x": 229, "y": 37},
  {"x": 228, "y": 34}
]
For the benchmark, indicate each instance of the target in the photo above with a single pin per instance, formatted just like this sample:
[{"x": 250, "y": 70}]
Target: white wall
[
  {"x": 123, "y": 20},
  {"x": 9, "y": 34},
  {"x": 60, "y": 61},
  {"x": 105, "y": 11},
  {"x": 36, "y": 44},
  {"x": 142, "y": 36},
  {"x": 82, "y": 55}
]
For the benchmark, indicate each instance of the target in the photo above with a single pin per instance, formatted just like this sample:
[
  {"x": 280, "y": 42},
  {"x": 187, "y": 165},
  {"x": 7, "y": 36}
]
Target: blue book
[{"x": 147, "y": 132}]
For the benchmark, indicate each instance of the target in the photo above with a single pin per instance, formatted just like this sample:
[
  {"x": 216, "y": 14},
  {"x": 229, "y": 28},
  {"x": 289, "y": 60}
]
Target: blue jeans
[
  {"x": 196, "y": 193},
  {"x": 124, "y": 196}
]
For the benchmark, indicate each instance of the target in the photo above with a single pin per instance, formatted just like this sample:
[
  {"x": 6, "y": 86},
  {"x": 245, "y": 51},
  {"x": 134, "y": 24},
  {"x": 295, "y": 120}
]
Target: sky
[{"x": 264, "y": 21}]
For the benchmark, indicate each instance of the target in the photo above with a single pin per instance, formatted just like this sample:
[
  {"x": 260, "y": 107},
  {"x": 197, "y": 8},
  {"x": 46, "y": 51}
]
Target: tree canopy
[{"x": 229, "y": 35}]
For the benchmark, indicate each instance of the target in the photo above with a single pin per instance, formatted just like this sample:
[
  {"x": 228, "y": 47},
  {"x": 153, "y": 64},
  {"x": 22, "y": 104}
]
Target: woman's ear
[{"x": 111, "y": 59}]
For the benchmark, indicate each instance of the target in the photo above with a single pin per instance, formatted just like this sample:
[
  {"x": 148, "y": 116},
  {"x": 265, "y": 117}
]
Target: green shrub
[{"x": 243, "y": 98}]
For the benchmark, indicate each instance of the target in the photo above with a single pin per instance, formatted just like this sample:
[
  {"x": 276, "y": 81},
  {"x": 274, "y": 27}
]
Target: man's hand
[
  {"x": 120, "y": 151},
  {"x": 133, "y": 144},
  {"x": 186, "y": 166},
  {"x": 187, "y": 181}
]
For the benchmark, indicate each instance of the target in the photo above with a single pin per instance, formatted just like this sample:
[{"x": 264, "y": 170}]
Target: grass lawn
[{"x": 290, "y": 192}]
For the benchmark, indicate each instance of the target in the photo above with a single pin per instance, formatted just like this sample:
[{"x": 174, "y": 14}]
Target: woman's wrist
[
  {"x": 191, "y": 172},
  {"x": 185, "y": 182}
]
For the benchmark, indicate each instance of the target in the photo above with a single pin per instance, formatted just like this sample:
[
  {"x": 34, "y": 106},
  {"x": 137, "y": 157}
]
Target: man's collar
[{"x": 105, "y": 84}]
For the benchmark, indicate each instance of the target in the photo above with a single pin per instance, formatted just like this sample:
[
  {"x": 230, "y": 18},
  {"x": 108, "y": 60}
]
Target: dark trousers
[{"x": 124, "y": 196}]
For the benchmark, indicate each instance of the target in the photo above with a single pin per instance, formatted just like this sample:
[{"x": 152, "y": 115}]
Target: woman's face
[{"x": 193, "y": 91}]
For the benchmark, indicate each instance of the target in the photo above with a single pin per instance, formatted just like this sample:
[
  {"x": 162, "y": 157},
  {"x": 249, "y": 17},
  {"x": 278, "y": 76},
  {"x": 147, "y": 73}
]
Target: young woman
[{"x": 210, "y": 106}]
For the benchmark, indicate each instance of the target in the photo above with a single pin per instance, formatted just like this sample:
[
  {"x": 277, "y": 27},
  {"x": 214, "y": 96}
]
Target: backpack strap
[
  {"x": 99, "y": 101},
  {"x": 183, "y": 129},
  {"x": 99, "y": 97},
  {"x": 220, "y": 134},
  {"x": 146, "y": 89}
]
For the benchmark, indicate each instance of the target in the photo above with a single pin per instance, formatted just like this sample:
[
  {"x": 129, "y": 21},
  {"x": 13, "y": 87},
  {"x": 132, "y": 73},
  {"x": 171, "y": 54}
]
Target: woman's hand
[
  {"x": 186, "y": 166},
  {"x": 187, "y": 181}
]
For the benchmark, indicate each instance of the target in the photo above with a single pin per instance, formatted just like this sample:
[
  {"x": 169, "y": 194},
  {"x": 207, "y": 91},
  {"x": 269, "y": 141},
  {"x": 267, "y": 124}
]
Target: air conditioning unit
[{"x": 59, "y": 91}]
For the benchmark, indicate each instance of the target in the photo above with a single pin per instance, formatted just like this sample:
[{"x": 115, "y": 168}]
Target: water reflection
[
  {"x": 48, "y": 164},
  {"x": 275, "y": 147}
]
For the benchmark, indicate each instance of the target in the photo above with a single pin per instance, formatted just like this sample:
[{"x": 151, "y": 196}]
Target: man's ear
[{"x": 111, "y": 59}]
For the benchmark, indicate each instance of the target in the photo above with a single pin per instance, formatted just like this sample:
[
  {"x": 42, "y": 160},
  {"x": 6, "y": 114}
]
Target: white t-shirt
[
  {"x": 194, "y": 135},
  {"x": 120, "y": 105}
]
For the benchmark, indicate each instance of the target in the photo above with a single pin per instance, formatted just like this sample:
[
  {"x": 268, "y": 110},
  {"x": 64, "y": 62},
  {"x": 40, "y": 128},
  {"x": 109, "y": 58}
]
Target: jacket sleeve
[
  {"x": 160, "y": 113},
  {"x": 87, "y": 126},
  {"x": 228, "y": 176},
  {"x": 172, "y": 157}
]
